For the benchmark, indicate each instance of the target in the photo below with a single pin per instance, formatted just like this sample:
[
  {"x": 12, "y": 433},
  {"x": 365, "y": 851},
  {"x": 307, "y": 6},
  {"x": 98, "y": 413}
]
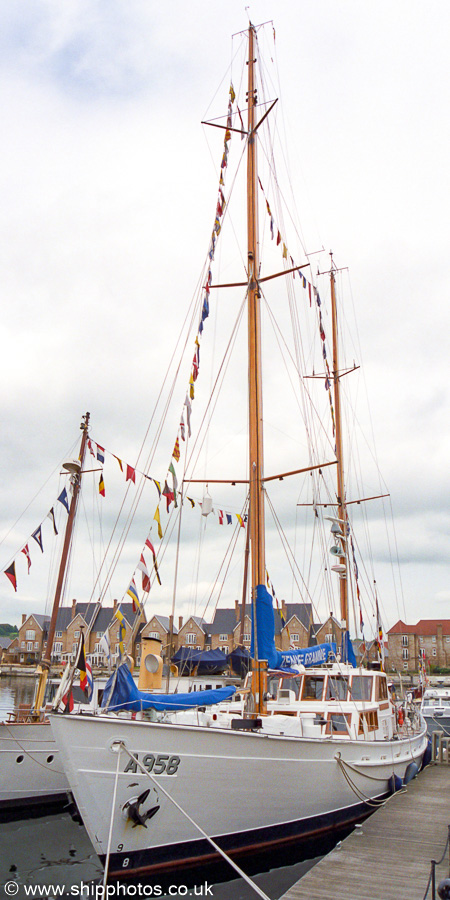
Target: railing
[{"x": 443, "y": 890}]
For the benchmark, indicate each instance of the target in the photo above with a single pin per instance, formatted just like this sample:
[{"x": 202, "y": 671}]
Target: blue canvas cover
[
  {"x": 206, "y": 662},
  {"x": 123, "y": 694},
  {"x": 347, "y": 652},
  {"x": 265, "y": 639},
  {"x": 240, "y": 661}
]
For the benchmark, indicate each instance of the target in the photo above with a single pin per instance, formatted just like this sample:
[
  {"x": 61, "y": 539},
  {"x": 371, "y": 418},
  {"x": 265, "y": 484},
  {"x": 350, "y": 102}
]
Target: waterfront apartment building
[{"x": 429, "y": 639}]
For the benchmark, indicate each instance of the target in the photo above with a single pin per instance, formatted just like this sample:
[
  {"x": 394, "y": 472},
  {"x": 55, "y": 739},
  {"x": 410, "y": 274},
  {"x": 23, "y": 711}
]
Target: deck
[{"x": 389, "y": 856}]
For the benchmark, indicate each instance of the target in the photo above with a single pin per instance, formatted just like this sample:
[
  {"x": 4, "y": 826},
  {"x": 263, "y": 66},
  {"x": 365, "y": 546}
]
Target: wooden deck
[{"x": 388, "y": 857}]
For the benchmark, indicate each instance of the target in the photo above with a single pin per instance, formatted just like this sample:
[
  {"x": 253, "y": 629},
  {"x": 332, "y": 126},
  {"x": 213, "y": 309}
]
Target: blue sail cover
[
  {"x": 206, "y": 662},
  {"x": 265, "y": 639},
  {"x": 347, "y": 652},
  {"x": 123, "y": 694}
]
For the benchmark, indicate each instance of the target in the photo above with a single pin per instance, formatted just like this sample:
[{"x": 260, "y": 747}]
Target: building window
[
  {"x": 294, "y": 637},
  {"x": 76, "y": 635},
  {"x": 421, "y": 639},
  {"x": 36, "y": 645},
  {"x": 404, "y": 640},
  {"x": 405, "y": 665},
  {"x": 434, "y": 651},
  {"x": 328, "y": 638},
  {"x": 155, "y": 634},
  {"x": 246, "y": 638},
  {"x": 57, "y": 648},
  {"x": 191, "y": 638},
  {"x": 405, "y": 653},
  {"x": 99, "y": 634},
  {"x": 434, "y": 638},
  {"x": 58, "y": 634},
  {"x": 22, "y": 644},
  {"x": 223, "y": 637},
  {"x": 74, "y": 648},
  {"x": 447, "y": 639},
  {"x": 30, "y": 645},
  {"x": 224, "y": 649},
  {"x": 138, "y": 648},
  {"x": 30, "y": 635}
]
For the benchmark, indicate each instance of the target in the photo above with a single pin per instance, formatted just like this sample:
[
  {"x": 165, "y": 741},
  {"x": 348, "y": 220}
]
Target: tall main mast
[{"x": 256, "y": 463}]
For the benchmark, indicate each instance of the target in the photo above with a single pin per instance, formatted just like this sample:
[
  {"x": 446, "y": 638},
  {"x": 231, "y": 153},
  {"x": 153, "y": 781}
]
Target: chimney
[
  {"x": 74, "y": 611},
  {"x": 236, "y": 607},
  {"x": 284, "y": 610},
  {"x": 24, "y": 618},
  {"x": 114, "y": 605},
  {"x": 180, "y": 622}
]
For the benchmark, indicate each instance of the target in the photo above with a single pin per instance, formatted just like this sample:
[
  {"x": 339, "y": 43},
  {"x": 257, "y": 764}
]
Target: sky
[{"x": 108, "y": 182}]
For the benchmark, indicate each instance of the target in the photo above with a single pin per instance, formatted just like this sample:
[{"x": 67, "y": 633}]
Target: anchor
[{"x": 134, "y": 813}]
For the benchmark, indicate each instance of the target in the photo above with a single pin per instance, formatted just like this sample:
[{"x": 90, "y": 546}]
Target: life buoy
[{"x": 401, "y": 717}]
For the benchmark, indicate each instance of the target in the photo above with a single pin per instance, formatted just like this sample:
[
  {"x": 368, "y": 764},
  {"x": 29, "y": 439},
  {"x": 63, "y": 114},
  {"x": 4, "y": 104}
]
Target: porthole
[
  {"x": 20, "y": 759},
  {"x": 50, "y": 758}
]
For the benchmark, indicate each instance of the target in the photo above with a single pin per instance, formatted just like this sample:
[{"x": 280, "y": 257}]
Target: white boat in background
[
  {"x": 312, "y": 743},
  {"x": 435, "y": 708}
]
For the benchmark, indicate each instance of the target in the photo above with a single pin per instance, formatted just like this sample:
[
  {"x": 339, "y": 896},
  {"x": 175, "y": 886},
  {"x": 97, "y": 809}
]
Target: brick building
[{"x": 430, "y": 637}]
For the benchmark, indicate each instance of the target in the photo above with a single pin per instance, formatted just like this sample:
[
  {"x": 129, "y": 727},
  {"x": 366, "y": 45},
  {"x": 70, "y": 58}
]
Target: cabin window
[
  {"x": 338, "y": 723},
  {"x": 30, "y": 635},
  {"x": 381, "y": 689},
  {"x": 404, "y": 640},
  {"x": 361, "y": 688},
  {"x": 291, "y": 684},
  {"x": 405, "y": 653},
  {"x": 371, "y": 720},
  {"x": 313, "y": 687},
  {"x": 337, "y": 689}
]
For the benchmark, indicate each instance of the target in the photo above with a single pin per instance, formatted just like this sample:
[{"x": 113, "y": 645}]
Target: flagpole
[{"x": 46, "y": 659}]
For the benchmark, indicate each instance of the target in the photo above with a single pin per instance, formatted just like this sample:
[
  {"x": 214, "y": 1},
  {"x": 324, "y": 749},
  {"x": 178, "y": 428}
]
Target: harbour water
[{"x": 54, "y": 851}]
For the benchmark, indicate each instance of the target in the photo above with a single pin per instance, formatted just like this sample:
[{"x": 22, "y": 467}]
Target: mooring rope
[
  {"x": 184, "y": 813},
  {"x": 343, "y": 765}
]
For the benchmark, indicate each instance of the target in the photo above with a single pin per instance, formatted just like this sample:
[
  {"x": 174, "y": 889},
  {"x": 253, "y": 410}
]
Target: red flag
[
  {"x": 149, "y": 544},
  {"x": 142, "y": 565},
  {"x": 26, "y": 551},
  {"x": 10, "y": 573},
  {"x": 131, "y": 474},
  {"x": 169, "y": 495}
]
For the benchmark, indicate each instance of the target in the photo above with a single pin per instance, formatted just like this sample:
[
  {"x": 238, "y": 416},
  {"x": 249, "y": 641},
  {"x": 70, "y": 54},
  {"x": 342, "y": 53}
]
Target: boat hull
[
  {"x": 32, "y": 773},
  {"x": 246, "y": 790}
]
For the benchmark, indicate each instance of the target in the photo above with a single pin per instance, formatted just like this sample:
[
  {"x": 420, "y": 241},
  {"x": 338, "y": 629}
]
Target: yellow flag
[{"x": 158, "y": 520}]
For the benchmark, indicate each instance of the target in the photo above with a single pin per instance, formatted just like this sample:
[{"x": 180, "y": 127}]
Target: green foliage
[{"x": 10, "y": 631}]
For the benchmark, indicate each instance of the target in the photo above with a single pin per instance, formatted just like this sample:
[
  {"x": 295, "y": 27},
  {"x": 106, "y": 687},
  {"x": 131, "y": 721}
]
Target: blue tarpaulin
[
  {"x": 123, "y": 694},
  {"x": 206, "y": 662},
  {"x": 265, "y": 639}
]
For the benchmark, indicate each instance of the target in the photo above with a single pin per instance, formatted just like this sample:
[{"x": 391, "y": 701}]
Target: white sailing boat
[{"x": 311, "y": 743}]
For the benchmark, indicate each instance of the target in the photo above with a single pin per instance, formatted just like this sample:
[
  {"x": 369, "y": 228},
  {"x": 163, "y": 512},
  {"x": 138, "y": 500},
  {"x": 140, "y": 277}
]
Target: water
[
  {"x": 15, "y": 689},
  {"x": 54, "y": 852}
]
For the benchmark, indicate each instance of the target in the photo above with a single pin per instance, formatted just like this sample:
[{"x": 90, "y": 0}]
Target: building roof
[
  {"x": 225, "y": 621},
  {"x": 425, "y": 627}
]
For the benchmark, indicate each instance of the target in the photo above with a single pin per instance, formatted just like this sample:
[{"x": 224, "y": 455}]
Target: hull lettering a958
[{"x": 162, "y": 764}]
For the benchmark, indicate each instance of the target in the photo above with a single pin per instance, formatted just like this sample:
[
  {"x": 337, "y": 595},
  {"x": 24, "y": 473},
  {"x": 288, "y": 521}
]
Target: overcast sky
[{"x": 107, "y": 189}]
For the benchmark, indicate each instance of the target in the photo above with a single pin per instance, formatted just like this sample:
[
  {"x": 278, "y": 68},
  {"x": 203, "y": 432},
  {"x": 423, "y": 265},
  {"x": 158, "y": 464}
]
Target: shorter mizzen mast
[
  {"x": 339, "y": 528},
  {"x": 75, "y": 469}
]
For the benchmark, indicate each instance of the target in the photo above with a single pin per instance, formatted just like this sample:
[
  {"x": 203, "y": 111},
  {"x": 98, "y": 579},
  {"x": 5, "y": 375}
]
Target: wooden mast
[
  {"x": 256, "y": 458},
  {"x": 256, "y": 511},
  {"x": 46, "y": 659},
  {"x": 342, "y": 513}
]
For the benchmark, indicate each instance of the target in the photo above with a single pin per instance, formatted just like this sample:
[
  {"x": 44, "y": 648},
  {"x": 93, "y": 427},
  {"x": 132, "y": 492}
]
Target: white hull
[
  {"x": 31, "y": 769},
  {"x": 247, "y": 790}
]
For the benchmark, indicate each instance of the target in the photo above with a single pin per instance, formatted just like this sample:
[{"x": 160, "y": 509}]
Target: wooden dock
[{"x": 388, "y": 857}]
